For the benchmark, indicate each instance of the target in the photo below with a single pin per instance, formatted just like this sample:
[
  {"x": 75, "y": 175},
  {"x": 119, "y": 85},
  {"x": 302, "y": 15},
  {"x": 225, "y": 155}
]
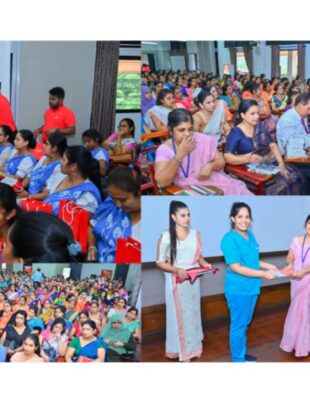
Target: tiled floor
[{"x": 264, "y": 337}]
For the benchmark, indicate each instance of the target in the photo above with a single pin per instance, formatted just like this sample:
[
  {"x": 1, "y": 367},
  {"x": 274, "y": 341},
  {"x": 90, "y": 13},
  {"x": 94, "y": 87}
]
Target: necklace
[{"x": 185, "y": 173}]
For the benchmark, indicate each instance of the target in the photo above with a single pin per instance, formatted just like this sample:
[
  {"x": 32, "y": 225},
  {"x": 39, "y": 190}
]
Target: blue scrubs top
[{"x": 237, "y": 249}]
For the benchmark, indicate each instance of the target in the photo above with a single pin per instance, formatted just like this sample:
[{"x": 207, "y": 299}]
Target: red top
[
  {"x": 59, "y": 118},
  {"x": 6, "y": 116}
]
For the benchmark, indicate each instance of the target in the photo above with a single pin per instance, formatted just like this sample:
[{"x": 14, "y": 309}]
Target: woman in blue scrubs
[{"x": 243, "y": 278}]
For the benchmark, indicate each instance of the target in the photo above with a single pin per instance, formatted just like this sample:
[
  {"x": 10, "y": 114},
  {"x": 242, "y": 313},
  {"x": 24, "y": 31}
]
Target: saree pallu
[
  {"x": 89, "y": 351},
  {"x": 279, "y": 184},
  {"x": 296, "y": 334},
  {"x": 183, "y": 323}
]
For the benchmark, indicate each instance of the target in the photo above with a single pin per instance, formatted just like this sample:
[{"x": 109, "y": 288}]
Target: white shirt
[{"x": 290, "y": 126}]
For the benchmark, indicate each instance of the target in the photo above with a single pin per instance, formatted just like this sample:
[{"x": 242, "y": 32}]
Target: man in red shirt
[
  {"x": 58, "y": 118},
  {"x": 6, "y": 115}
]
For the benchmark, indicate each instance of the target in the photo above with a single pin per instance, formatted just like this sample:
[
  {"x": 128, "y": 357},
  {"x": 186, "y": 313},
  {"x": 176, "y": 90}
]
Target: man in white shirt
[{"x": 293, "y": 127}]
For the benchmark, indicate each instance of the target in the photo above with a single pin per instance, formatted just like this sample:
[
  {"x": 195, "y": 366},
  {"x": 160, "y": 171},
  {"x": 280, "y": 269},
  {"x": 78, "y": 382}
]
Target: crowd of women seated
[
  {"x": 58, "y": 320},
  {"x": 98, "y": 177},
  {"x": 216, "y": 121}
]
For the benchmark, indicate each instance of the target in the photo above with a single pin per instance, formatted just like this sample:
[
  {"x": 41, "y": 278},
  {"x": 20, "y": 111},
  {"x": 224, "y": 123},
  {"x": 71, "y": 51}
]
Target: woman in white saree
[{"x": 179, "y": 249}]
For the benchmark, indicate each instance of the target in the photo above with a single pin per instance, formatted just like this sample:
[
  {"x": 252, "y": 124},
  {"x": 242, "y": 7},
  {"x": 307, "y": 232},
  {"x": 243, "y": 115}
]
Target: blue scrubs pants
[{"x": 241, "y": 309}]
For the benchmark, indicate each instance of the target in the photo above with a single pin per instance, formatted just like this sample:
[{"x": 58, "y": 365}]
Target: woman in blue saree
[
  {"x": 87, "y": 348},
  {"x": 92, "y": 140},
  {"x": 47, "y": 170},
  {"x": 6, "y": 144},
  {"x": 117, "y": 217},
  {"x": 251, "y": 142},
  {"x": 21, "y": 161},
  {"x": 81, "y": 185}
]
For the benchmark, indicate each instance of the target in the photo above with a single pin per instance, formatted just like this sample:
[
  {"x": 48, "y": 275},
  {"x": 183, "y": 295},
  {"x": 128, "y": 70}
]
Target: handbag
[
  {"x": 128, "y": 250},
  {"x": 50, "y": 352},
  {"x": 35, "y": 205},
  {"x": 77, "y": 219}
]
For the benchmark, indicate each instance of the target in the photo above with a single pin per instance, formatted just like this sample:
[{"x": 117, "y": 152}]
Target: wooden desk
[
  {"x": 256, "y": 179},
  {"x": 172, "y": 190},
  {"x": 301, "y": 159}
]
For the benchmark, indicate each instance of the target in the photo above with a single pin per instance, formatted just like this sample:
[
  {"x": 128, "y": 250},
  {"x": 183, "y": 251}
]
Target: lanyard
[
  {"x": 304, "y": 256},
  {"x": 185, "y": 173},
  {"x": 304, "y": 125}
]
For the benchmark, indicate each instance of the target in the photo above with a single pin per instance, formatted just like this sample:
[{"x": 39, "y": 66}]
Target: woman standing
[
  {"x": 179, "y": 249},
  {"x": 296, "y": 334},
  {"x": 243, "y": 278}
]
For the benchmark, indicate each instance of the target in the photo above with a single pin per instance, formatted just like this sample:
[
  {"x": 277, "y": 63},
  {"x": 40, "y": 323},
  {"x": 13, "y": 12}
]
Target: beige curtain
[
  {"x": 301, "y": 60},
  {"x": 104, "y": 87},
  {"x": 275, "y": 61},
  {"x": 248, "y": 58}
]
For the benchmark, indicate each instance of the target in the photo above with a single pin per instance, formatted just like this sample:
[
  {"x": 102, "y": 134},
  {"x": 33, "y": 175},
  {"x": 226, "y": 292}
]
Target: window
[
  {"x": 128, "y": 90},
  {"x": 241, "y": 62},
  {"x": 288, "y": 63}
]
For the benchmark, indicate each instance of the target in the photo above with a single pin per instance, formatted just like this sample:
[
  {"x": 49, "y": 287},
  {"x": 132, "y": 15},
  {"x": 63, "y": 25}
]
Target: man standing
[
  {"x": 37, "y": 278},
  {"x": 58, "y": 118},
  {"x": 6, "y": 115}
]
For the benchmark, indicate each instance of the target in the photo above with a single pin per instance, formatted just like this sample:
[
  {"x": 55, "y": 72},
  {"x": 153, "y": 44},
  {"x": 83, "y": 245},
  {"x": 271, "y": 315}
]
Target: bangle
[
  {"x": 177, "y": 159},
  {"x": 92, "y": 247}
]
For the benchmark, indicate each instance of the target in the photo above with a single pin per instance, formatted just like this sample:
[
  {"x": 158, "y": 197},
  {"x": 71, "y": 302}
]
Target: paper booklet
[
  {"x": 194, "y": 190},
  {"x": 197, "y": 271},
  {"x": 286, "y": 272},
  {"x": 263, "y": 168}
]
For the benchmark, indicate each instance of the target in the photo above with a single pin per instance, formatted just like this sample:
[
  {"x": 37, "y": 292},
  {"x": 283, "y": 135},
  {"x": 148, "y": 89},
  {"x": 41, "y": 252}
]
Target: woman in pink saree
[
  {"x": 296, "y": 335},
  {"x": 191, "y": 158}
]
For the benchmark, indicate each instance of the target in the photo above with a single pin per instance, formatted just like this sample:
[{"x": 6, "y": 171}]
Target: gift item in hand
[
  {"x": 77, "y": 219},
  {"x": 128, "y": 250},
  {"x": 35, "y": 205},
  {"x": 197, "y": 271}
]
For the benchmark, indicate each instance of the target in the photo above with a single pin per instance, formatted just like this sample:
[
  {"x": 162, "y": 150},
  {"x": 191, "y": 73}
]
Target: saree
[
  {"x": 279, "y": 184},
  {"x": 72, "y": 194},
  {"x": 105, "y": 153},
  {"x": 110, "y": 223},
  {"x": 296, "y": 334},
  {"x": 215, "y": 125},
  {"x": 184, "y": 333},
  {"x": 160, "y": 112},
  {"x": 13, "y": 163},
  {"x": 40, "y": 175},
  {"x": 89, "y": 351}
]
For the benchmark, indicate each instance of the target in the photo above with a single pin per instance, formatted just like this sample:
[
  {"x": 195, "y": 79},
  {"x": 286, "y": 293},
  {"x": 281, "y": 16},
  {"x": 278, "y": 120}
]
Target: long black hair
[
  {"x": 59, "y": 141},
  {"x": 174, "y": 207},
  {"x": 41, "y": 237},
  {"x": 27, "y": 135},
  {"x": 127, "y": 179},
  {"x": 7, "y": 131},
  {"x": 87, "y": 165},
  {"x": 36, "y": 342},
  {"x": 8, "y": 201}
]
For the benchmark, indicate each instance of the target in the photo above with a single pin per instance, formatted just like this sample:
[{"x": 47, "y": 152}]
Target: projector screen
[{"x": 276, "y": 220}]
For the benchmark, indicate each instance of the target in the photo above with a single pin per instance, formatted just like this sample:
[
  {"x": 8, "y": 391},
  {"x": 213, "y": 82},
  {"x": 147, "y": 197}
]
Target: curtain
[
  {"x": 275, "y": 61},
  {"x": 301, "y": 60},
  {"x": 247, "y": 50},
  {"x": 104, "y": 87},
  {"x": 233, "y": 58}
]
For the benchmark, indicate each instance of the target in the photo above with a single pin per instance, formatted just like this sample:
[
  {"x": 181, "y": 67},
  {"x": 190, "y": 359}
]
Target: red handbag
[
  {"x": 195, "y": 272},
  {"x": 36, "y": 205},
  {"x": 128, "y": 250},
  {"x": 77, "y": 219}
]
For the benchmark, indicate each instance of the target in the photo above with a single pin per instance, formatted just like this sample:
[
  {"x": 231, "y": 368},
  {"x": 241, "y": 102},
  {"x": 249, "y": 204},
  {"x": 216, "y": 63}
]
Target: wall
[
  {"x": 273, "y": 228},
  {"x": 95, "y": 268},
  {"x": 153, "y": 289},
  {"x": 161, "y": 53},
  {"x": 262, "y": 59},
  {"x": 48, "y": 269},
  {"x": 44, "y": 65},
  {"x": 224, "y": 58}
]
